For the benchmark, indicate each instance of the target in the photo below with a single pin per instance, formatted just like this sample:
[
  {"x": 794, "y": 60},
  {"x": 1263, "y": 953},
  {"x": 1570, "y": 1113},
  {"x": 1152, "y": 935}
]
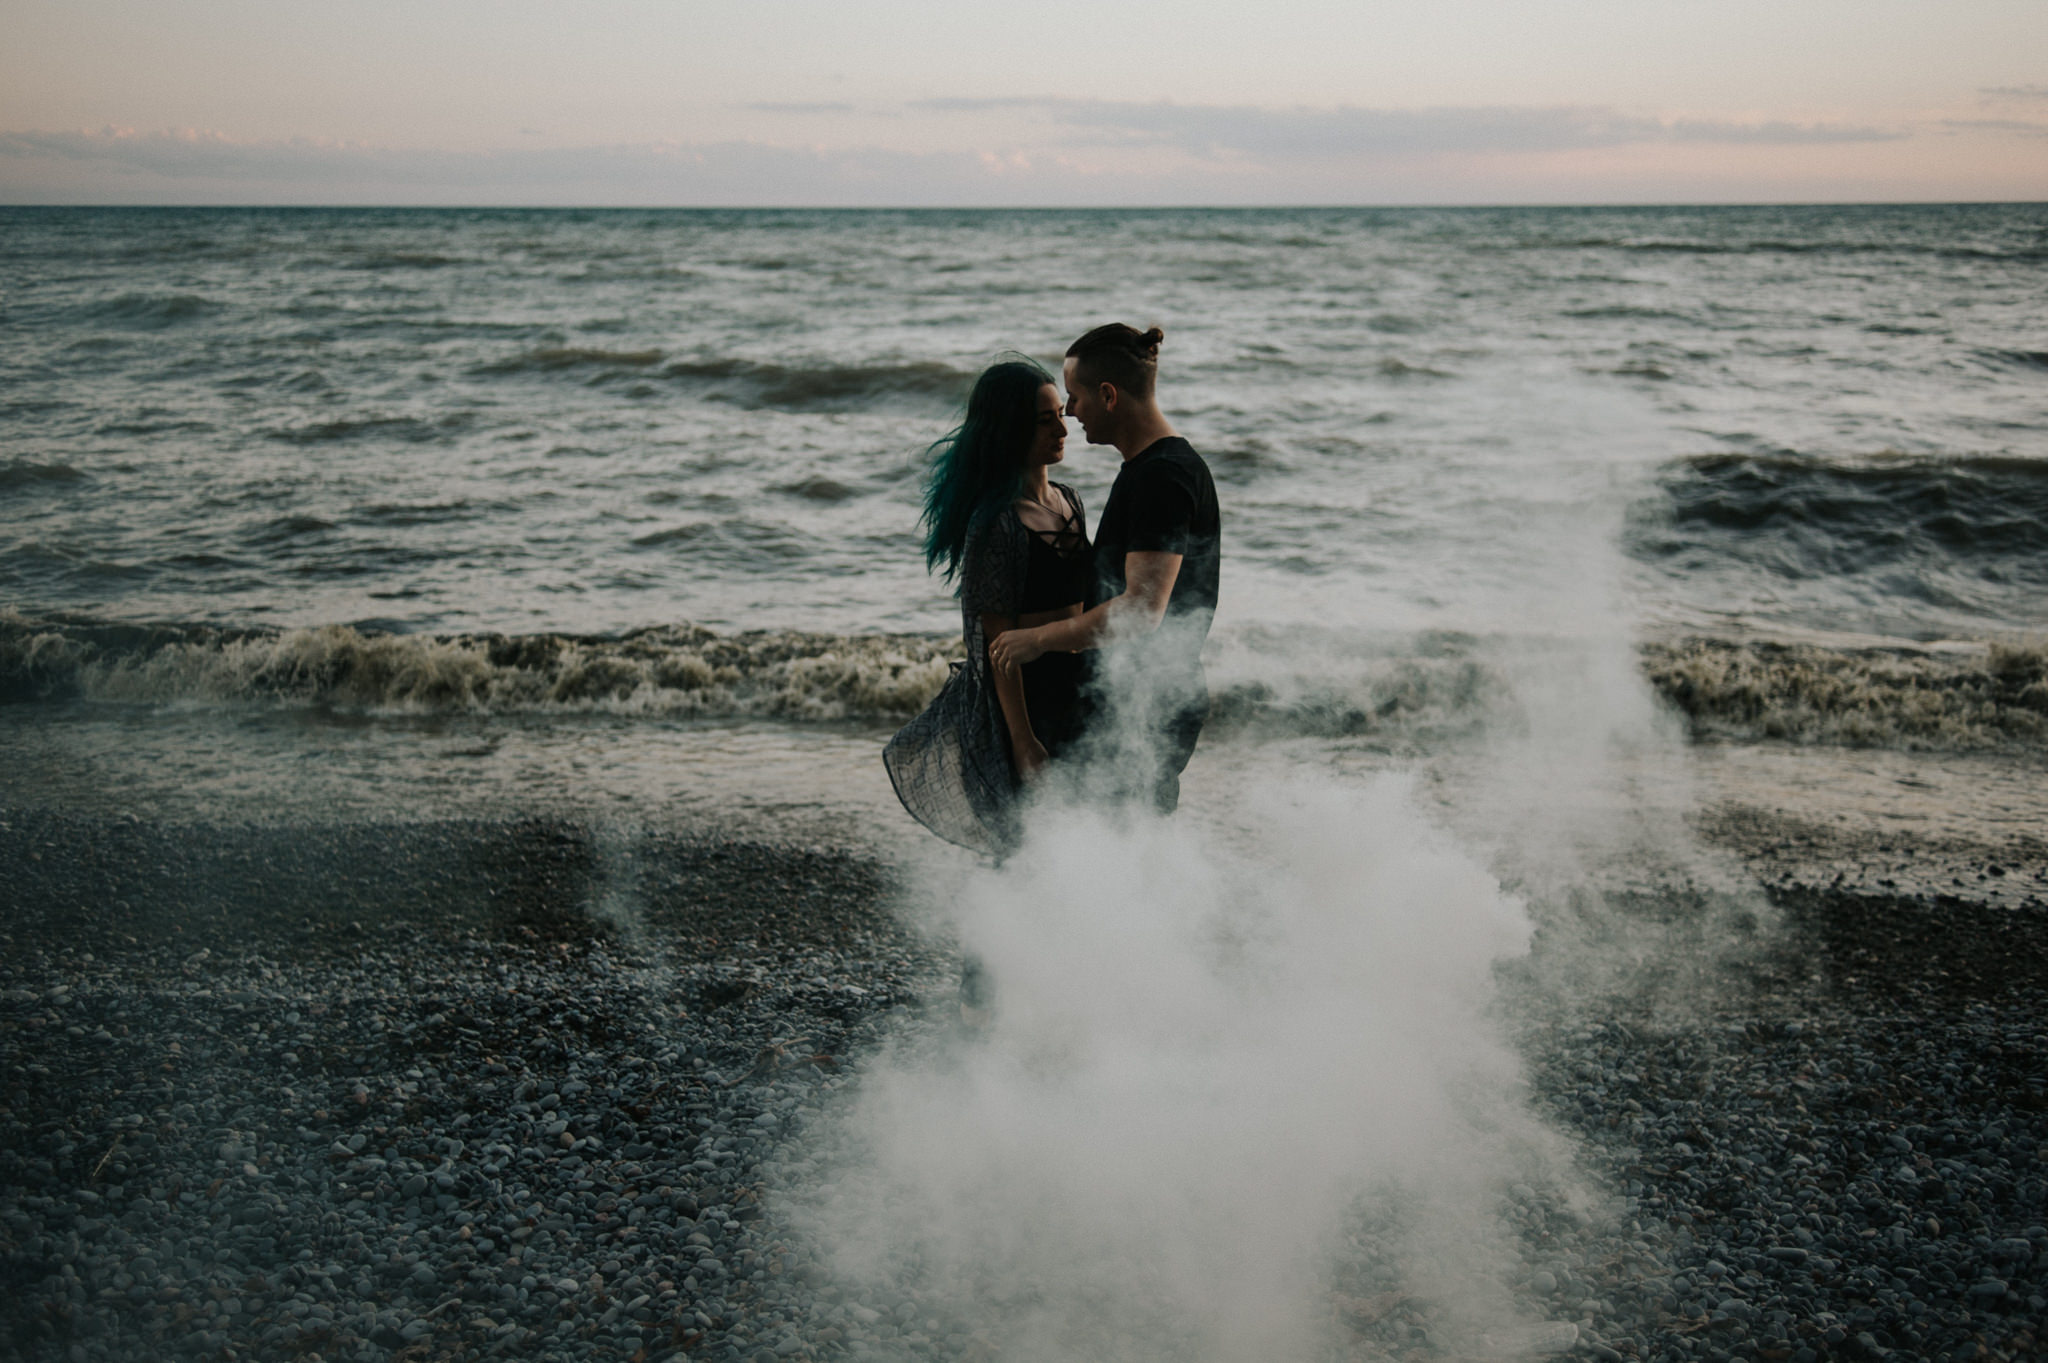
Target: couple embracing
[{"x": 1083, "y": 659}]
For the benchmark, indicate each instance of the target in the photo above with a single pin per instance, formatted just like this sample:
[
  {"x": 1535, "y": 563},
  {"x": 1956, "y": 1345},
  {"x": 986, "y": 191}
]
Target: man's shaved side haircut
[{"x": 1118, "y": 354}]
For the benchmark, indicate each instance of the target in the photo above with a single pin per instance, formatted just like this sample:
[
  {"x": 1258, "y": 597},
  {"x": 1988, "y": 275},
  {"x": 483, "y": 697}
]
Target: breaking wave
[
  {"x": 1438, "y": 690},
  {"x": 1426, "y": 691},
  {"x": 1993, "y": 697},
  {"x": 670, "y": 670}
]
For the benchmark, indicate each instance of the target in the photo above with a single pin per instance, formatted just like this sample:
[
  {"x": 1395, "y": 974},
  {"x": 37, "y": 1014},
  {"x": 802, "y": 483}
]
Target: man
[{"x": 1158, "y": 547}]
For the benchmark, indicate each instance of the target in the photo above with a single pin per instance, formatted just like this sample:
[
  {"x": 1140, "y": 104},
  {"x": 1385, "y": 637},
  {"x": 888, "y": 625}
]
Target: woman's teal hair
[{"x": 978, "y": 468}]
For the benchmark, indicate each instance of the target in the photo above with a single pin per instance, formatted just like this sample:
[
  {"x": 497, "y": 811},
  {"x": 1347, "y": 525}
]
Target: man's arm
[{"x": 1148, "y": 585}]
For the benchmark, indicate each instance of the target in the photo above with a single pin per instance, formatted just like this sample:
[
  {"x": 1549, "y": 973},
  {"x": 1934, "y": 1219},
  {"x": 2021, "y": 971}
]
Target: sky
[{"x": 939, "y": 102}]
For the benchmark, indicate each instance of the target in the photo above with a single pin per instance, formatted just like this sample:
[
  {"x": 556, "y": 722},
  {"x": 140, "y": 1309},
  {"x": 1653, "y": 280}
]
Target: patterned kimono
[{"x": 951, "y": 765}]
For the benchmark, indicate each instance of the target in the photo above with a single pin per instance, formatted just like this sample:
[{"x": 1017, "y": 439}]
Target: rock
[{"x": 1530, "y": 1341}]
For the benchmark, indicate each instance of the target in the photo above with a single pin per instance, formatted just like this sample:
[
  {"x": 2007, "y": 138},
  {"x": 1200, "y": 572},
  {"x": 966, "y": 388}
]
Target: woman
[{"x": 1018, "y": 545}]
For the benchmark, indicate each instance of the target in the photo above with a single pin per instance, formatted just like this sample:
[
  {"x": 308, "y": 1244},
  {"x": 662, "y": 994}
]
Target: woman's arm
[
  {"x": 1025, "y": 749},
  {"x": 1149, "y": 577}
]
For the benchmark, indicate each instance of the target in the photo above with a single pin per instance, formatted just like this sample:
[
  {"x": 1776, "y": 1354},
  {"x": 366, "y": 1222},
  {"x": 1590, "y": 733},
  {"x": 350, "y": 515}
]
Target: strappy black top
[{"x": 1060, "y": 565}]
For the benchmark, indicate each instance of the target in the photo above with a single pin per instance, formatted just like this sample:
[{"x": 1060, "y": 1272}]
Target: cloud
[
  {"x": 2014, "y": 92},
  {"x": 998, "y": 152},
  {"x": 1996, "y": 125},
  {"x": 124, "y": 165},
  {"x": 1211, "y": 130},
  {"x": 799, "y": 107}
]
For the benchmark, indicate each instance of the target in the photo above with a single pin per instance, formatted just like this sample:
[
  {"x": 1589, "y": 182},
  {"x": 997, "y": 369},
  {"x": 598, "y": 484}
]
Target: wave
[
  {"x": 38, "y": 559},
  {"x": 1813, "y": 518},
  {"x": 1438, "y": 688},
  {"x": 556, "y": 359},
  {"x": 737, "y": 541},
  {"x": 417, "y": 513},
  {"x": 800, "y": 388},
  {"x": 411, "y": 430},
  {"x": 756, "y": 384},
  {"x": 398, "y": 260},
  {"x": 288, "y": 528},
  {"x": 17, "y": 474},
  {"x": 1774, "y": 246},
  {"x": 2031, "y": 359},
  {"x": 1432, "y": 690},
  {"x": 681, "y": 670},
  {"x": 151, "y": 310},
  {"x": 163, "y": 427},
  {"x": 1400, "y": 369},
  {"x": 673, "y": 670},
  {"x": 1893, "y": 698},
  {"x": 1630, "y": 312},
  {"x": 817, "y": 488}
]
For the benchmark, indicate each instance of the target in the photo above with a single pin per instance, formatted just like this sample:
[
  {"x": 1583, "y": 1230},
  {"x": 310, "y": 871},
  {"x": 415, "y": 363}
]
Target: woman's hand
[
  {"x": 1014, "y": 648},
  {"x": 1031, "y": 758}
]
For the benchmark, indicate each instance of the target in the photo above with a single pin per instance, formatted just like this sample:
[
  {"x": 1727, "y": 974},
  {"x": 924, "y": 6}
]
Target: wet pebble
[{"x": 287, "y": 1149}]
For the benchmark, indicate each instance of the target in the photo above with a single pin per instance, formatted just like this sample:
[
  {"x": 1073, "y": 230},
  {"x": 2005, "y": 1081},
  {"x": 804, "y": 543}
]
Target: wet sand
[{"x": 1912, "y": 825}]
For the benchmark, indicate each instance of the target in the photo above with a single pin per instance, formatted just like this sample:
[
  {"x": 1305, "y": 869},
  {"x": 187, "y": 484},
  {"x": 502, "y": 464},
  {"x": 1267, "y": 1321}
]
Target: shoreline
[
  {"x": 1987, "y": 694},
  {"x": 551, "y": 1104}
]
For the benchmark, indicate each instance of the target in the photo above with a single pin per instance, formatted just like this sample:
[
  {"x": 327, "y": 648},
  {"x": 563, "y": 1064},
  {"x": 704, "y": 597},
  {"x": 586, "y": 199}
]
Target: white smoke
[
  {"x": 1244, "y": 1059},
  {"x": 1202, "y": 1067}
]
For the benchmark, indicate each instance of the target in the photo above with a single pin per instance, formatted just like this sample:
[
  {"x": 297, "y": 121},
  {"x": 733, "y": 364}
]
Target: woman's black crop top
[{"x": 1060, "y": 564}]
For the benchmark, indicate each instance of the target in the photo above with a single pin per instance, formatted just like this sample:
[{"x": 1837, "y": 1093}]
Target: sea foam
[{"x": 1401, "y": 695}]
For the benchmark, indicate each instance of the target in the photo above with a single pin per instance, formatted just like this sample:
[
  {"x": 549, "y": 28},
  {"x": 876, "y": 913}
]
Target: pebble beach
[{"x": 408, "y": 1092}]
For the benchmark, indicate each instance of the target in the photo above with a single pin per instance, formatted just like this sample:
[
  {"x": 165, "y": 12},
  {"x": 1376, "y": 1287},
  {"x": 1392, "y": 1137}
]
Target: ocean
[{"x": 476, "y": 467}]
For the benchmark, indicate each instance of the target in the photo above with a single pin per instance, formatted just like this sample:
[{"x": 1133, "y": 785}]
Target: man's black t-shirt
[{"x": 1164, "y": 501}]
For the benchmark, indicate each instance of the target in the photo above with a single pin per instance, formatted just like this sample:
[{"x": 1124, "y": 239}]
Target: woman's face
[{"x": 1049, "y": 444}]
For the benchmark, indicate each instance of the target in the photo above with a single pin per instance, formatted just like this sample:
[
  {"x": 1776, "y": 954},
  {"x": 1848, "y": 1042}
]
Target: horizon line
[{"x": 1032, "y": 208}]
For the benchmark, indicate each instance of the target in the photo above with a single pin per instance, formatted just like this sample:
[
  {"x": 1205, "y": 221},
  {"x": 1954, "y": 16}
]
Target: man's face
[{"x": 1085, "y": 405}]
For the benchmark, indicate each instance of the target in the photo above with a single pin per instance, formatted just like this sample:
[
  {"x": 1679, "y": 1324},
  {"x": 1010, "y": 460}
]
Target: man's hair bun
[{"x": 1121, "y": 355}]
